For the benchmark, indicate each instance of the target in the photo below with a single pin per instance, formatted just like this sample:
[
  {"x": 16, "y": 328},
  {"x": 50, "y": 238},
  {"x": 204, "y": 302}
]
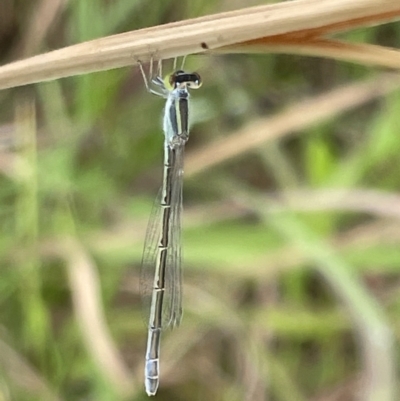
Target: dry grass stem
[
  {"x": 346, "y": 200},
  {"x": 41, "y": 21},
  {"x": 298, "y": 117},
  {"x": 211, "y": 33},
  {"x": 23, "y": 375},
  {"x": 85, "y": 288},
  {"x": 364, "y": 54}
]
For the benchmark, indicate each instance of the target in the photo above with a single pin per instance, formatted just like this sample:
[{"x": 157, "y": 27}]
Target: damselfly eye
[{"x": 195, "y": 81}]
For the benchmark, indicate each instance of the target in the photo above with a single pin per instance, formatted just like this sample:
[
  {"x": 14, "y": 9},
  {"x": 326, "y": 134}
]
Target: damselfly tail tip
[{"x": 151, "y": 386}]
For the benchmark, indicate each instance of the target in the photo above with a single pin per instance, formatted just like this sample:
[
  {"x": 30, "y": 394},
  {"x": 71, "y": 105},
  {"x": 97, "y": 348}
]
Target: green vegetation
[{"x": 287, "y": 297}]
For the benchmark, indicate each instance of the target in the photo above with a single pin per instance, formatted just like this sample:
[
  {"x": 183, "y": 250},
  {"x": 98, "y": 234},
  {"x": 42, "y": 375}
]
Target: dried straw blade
[{"x": 197, "y": 35}]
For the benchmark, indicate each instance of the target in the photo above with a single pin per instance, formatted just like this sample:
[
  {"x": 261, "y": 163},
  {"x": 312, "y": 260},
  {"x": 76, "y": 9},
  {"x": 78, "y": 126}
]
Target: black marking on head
[{"x": 180, "y": 77}]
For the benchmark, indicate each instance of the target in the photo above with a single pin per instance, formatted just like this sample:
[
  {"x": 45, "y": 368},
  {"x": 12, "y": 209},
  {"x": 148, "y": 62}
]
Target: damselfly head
[{"x": 180, "y": 79}]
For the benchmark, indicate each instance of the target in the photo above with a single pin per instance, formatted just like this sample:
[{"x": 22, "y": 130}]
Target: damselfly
[{"x": 161, "y": 274}]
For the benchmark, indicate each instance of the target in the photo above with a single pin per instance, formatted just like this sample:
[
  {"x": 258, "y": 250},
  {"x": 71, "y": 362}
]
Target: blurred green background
[{"x": 291, "y": 249}]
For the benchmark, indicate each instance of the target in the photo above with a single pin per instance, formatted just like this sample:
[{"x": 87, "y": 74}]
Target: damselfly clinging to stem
[{"x": 161, "y": 273}]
